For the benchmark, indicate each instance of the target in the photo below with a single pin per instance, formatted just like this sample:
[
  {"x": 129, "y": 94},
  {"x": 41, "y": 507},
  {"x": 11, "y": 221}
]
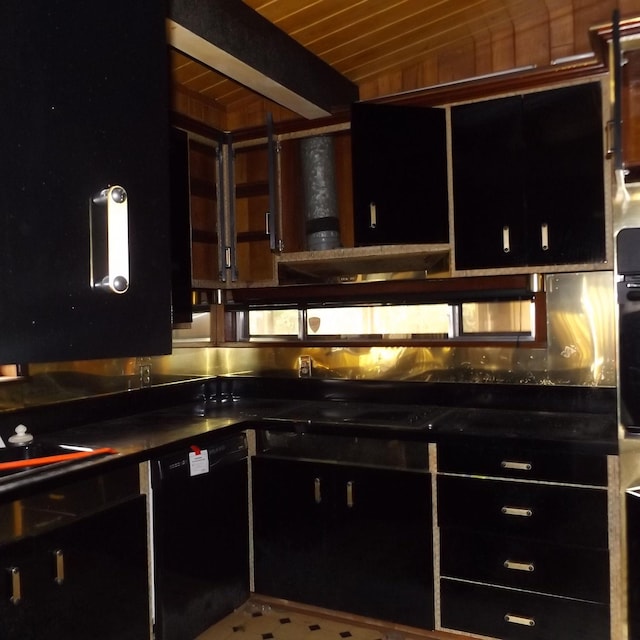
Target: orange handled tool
[{"x": 63, "y": 457}]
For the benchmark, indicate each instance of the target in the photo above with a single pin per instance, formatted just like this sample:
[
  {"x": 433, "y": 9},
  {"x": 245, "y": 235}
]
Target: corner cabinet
[
  {"x": 84, "y": 106},
  {"x": 84, "y": 579},
  {"x": 528, "y": 179},
  {"x": 345, "y": 537}
]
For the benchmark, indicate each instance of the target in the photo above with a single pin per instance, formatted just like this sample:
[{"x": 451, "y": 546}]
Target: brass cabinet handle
[
  {"x": 506, "y": 241},
  {"x": 544, "y": 236},
  {"x": 58, "y": 554},
  {"x": 517, "y": 511},
  {"x": 519, "y": 566},
  {"x": 317, "y": 491},
  {"x": 350, "y": 494},
  {"x": 522, "y": 620},
  {"x": 373, "y": 215},
  {"x": 16, "y": 586},
  {"x": 610, "y": 137},
  {"x": 518, "y": 466}
]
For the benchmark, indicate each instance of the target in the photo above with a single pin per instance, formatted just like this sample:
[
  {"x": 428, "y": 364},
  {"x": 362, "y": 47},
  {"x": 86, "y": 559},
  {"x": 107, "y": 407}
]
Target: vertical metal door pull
[
  {"x": 58, "y": 554},
  {"x": 317, "y": 492},
  {"x": 350, "y": 494},
  {"x": 109, "y": 235},
  {"x": 373, "y": 215},
  {"x": 544, "y": 236},
  {"x": 506, "y": 242},
  {"x": 16, "y": 588}
]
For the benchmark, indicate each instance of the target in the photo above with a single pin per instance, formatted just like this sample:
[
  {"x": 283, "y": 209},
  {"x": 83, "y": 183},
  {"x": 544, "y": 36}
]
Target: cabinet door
[
  {"x": 84, "y": 106},
  {"x": 87, "y": 579},
  {"x": 571, "y": 571},
  {"x": 562, "y": 515},
  {"x": 399, "y": 175},
  {"x": 564, "y": 175},
  {"x": 292, "y": 501},
  {"x": 488, "y": 184},
  {"x": 97, "y": 582},
  {"x": 21, "y": 585},
  {"x": 181, "y": 271},
  {"x": 518, "y": 615},
  {"x": 250, "y": 225},
  {"x": 528, "y": 179},
  {"x": 380, "y": 545}
]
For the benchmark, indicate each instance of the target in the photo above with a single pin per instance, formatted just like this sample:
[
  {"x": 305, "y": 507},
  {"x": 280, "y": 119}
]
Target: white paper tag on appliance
[{"x": 198, "y": 462}]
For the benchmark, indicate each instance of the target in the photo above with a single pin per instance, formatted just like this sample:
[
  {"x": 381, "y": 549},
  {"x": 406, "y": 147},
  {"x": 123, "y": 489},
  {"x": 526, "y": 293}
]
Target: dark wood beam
[{"x": 233, "y": 39}]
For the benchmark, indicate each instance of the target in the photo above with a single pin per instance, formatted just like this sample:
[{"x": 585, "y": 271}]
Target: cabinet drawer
[
  {"x": 513, "y": 461},
  {"x": 566, "y": 515},
  {"x": 515, "y": 615},
  {"x": 573, "y": 572}
]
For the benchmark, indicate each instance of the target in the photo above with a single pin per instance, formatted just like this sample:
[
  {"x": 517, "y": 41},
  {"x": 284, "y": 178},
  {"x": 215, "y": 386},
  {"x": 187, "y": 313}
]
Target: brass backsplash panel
[{"x": 580, "y": 351}]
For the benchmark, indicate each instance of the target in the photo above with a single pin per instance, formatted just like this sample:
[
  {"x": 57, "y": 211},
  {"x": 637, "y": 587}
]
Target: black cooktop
[{"x": 369, "y": 414}]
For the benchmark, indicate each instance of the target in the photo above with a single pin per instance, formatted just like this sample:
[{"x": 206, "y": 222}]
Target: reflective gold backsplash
[{"x": 580, "y": 351}]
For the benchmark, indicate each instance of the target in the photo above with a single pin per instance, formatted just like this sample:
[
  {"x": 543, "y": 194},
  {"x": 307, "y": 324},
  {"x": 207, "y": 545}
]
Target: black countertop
[{"x": 576, "y": 422}]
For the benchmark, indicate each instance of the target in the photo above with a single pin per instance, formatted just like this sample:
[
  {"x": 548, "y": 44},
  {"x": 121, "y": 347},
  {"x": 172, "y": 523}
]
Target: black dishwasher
[{"x": 201, "y": 536}]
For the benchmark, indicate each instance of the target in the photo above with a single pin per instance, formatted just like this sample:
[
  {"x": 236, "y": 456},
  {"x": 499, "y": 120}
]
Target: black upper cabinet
[
  {"x": 528, "y": 179},
  {"x": 84, "y": 105},
  {"x": 399, "y": 175}
]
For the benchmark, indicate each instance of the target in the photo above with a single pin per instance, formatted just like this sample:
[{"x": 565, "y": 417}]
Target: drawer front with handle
[
  {"x": 562, "y": 570},
  {"x": 516, "y": 615},
  {"x": 513, "y": 461},
  {"x": 564, "y": 515}
]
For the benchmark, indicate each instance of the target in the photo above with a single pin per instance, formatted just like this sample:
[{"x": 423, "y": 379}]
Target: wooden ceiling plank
[{"x": 403, "y": 49}]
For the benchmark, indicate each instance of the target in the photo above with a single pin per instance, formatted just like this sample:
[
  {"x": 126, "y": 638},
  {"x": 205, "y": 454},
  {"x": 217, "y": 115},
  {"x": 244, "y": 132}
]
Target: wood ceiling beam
[{"x": 233, "y": 39}]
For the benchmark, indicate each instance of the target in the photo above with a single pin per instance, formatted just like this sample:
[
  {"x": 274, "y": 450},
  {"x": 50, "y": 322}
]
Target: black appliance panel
[
  {"x": 628, "y": 291},
  {"x": 201, "y": 538}
]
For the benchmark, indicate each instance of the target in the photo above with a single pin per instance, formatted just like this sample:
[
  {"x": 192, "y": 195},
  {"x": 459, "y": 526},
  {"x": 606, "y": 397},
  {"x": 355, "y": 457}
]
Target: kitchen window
[{"x": 434, "y": 323}]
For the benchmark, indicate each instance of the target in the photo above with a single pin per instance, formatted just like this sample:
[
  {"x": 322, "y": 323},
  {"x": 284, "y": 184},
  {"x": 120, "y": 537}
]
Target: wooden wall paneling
[
  {"x": 204, "y": 227},
  {"x": 291, "y": 196},
  {"x": 457, "y": 62},
  {"x": 532, "y": 41},
  {"x": 561, "y": 28},
  {"x": 503, "y": 47}
]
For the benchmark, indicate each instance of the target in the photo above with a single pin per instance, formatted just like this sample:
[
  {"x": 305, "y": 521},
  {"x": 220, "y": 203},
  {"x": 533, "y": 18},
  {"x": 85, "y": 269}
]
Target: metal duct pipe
[{"x": 319, "y": 192}]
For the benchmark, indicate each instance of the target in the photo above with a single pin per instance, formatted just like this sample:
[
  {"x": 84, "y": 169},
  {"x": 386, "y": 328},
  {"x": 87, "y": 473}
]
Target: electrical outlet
[
  {"x": 145, "y": 375},
  {"x": 304, "y": 367}
]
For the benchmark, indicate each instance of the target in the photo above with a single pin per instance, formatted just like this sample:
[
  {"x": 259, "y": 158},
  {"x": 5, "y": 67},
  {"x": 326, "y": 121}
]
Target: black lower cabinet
[
  {"x": 632, "y": 502},
  {"x": 517, "y": 615},
  {"x": 523, "y": 557},
  {"x": 86, "y": 579},
  {"x": 534, "y": 565},
  {"x": 344, "y": 537}
]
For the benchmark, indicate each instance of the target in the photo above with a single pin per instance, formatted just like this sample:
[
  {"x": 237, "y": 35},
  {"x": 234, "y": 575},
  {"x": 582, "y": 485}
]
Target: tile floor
[{"x": 259, "y": 621}]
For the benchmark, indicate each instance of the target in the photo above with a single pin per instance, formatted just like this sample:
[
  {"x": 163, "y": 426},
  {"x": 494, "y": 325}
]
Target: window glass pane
[
  {"x": 273, "y": 322},
  {"x": 514, "y": 316},
  {"x": 392, "y": 321}
]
